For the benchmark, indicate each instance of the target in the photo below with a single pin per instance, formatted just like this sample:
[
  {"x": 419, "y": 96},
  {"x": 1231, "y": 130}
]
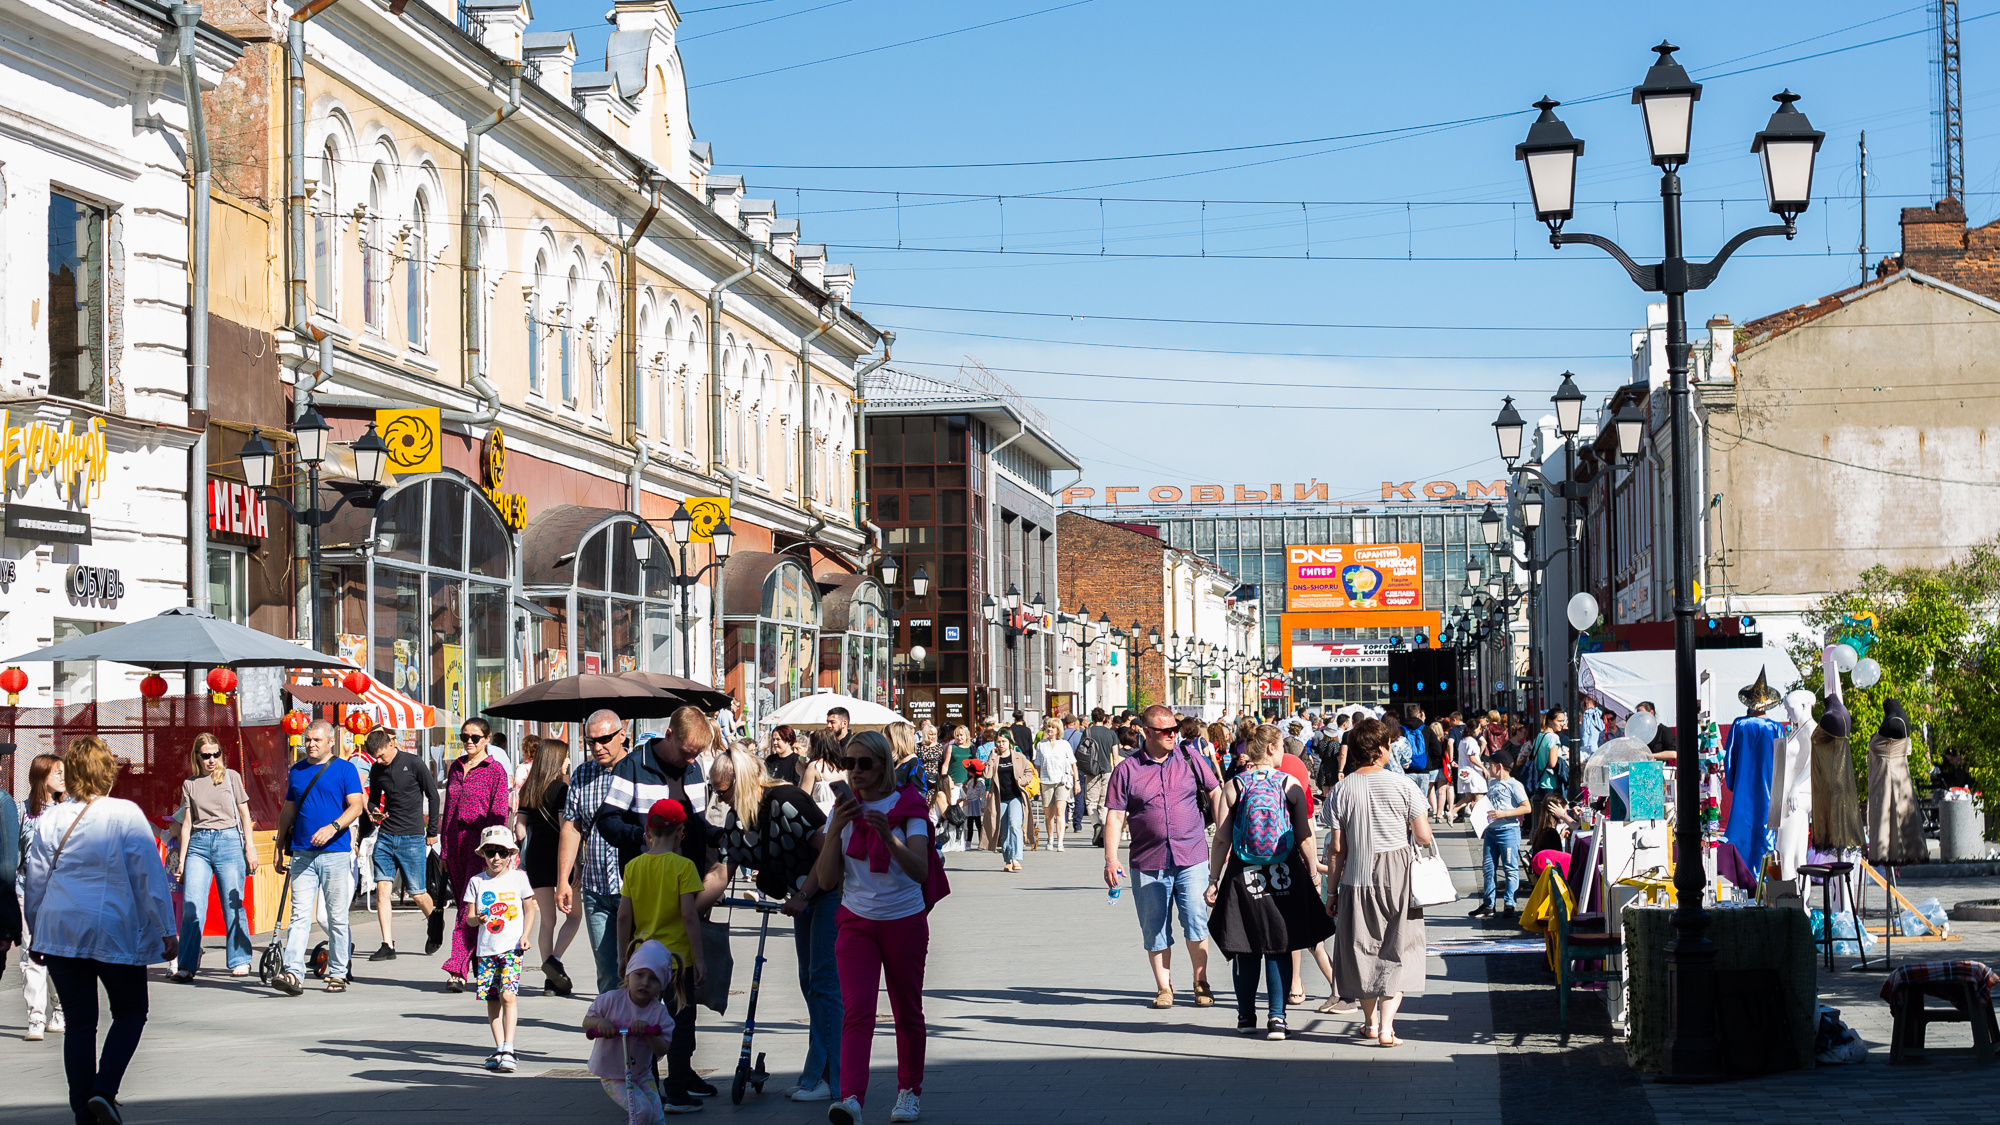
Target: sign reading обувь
[{"x": 1435, "y": 491}]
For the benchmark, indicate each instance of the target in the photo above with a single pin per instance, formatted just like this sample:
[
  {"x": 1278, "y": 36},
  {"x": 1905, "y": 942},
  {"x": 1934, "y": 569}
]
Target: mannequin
[
  {"x": 1895, "y": 831},
  {"x": 1791, "y": 785},
  {"x": 1836, "y": 806},
  {"x": 1747, "y": 768}
]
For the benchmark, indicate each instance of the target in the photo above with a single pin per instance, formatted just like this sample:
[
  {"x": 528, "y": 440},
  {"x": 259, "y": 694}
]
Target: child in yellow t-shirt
[{"x": 658, "y": 904}]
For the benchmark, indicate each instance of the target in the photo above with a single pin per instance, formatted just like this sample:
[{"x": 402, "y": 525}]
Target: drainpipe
[
  {"x": 642, "y": 450},
  {"x": 187, "y": 16},
  {"x": 469, "y": 259},
  {"x": 832, "y": 315},
  {"x": 715, "y": 631},
  {"x": 715, "y": 466},
  {"x": 861, "y": 440},
  {"x": 295, "y": 159}
]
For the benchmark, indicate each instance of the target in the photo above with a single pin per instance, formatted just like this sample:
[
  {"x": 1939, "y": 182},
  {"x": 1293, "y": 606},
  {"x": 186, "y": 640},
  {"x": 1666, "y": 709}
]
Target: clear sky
[{"x": 1403, "y": 210}]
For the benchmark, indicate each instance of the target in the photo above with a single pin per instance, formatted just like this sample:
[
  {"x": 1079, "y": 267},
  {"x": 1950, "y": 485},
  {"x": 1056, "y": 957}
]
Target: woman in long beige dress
[{"x": 1379, "y": 949}]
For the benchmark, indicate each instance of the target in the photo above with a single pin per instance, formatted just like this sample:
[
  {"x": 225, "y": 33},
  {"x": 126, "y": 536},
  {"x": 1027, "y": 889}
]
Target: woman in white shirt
[
  {"x": 97, "y": 904},
  {"x": 878, "y": 851},
  {"x": 1056, "y": 759},
  {"x": 1471, "y": 772}
]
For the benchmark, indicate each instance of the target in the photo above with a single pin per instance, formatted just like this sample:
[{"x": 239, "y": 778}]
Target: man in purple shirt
[{"x": 1159, "y": 793}]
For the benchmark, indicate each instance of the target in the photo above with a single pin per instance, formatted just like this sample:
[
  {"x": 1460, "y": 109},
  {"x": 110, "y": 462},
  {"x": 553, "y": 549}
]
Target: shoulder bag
[{"x": 1430, "y": 879}]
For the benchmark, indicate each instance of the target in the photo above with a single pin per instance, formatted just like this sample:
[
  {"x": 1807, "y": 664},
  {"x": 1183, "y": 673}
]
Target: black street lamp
[
  {"x": 920, "y": 585},
  {"x": 310, "y": 435},
  {"x": 1787, "y": 147},
  {"x": 723, "y": 537}
]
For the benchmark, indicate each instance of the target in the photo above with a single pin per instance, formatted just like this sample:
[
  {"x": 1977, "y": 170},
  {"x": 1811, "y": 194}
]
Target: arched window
[
  {"x": 374, "y": 252},
  {"x": 566, "y": 358},
  {"x": 603, "y": 338},
  {"x": 325, "y": 232},
  {"x": 743, "y": 412},
  {"x": 491, "y": 262},
  {"x": 536, "y": 322},
  {"x": 416, "y": 298},
  {"x": 643, "y": 373},
  {"x": 694, "y": 385},
  {"x": 670, "y": 359},
  {"x": 762, "y": 421}
]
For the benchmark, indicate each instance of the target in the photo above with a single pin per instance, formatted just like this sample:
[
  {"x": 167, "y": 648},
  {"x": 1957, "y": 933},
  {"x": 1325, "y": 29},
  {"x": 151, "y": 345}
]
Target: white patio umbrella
[{"x": 809, "y": 713}]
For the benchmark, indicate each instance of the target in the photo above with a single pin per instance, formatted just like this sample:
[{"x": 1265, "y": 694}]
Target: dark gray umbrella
[
  {"x": 571, "y": 699},
  {"x": 691, "y": 692},
  {"x": 181, "y": 637}
]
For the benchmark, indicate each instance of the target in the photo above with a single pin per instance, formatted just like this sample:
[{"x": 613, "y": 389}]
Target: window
[
  {"x": 692, "y": 385},
  {"x": 535, "y": 326},
  {"x": 229, "y": 584},
  {"x": 566, "y": 360},
  {"x": 325, "y": 224},
  {"x": 75, "y": 680},
  {"x": 76, "y": 299},
  {"x": 416, "y": 302},
  {"x": 374, "y": 275}
]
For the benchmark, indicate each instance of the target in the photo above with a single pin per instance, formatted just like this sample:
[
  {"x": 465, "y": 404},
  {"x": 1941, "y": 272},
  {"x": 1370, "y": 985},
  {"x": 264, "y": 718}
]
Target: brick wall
[
  {"x": 1114, "y": 571},
  {"x": 1937, "y": 242}
]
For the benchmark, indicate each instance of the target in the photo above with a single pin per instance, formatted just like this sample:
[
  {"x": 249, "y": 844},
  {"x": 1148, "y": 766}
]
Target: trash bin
[{"x": 1961, "y": 831}]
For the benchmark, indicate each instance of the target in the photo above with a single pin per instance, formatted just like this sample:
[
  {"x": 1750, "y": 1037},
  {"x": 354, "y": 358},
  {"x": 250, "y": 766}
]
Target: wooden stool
[
  {"x": 1826, "y": 873},
  {"x": 1906, "y": 1043}
]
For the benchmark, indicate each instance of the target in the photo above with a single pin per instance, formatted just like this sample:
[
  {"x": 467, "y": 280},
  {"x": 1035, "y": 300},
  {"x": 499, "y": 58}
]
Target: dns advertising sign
[{"x": 1355, "y": 576}]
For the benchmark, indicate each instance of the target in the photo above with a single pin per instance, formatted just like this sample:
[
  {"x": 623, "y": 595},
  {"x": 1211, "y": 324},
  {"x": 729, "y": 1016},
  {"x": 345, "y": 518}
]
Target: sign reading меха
[
  {"x": 47, "y": 525},
  {"x": 1355, "y": 576}
]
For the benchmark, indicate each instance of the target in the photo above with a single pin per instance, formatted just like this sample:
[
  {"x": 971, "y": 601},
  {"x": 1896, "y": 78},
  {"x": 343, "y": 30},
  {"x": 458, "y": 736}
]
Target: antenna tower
[{"x": 1951, "y": 115}]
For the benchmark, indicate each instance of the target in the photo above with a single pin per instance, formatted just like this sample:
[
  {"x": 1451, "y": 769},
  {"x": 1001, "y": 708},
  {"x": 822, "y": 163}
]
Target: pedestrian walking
[
  {"x": 1096, "y": 756},
  {"x": 322, "y": 802},
  {"x": 11, "y": 838},
  {"x": 403, "y": 804},
  {"x": 215, "y": 850},
  {"x": 823, "y": 768},
  {"x": 540, "y": 817},
  {"x": 781, "y": 758},
  {"x": 905, "y": 768},
  {"x": 1379, "y": 820},
  {"x": 477, "y": 792},
  {"x": 630, "y": 1028},
  {"x": 1161, "y": 794},
  {"x": 1263, "y": 869},
  {"x": 45, "y": 791},
  {"x": 503, "y": 906},
  {"x": 1470, "y": 775},
  {"x": 878, "y": 851},
  {"x": 932, "y": 753},
  {"x": 95, "y": 900},
  {"x": 1010, "y": 775},
  {"x": 1073, "y": 734},
  {"x": 1056, "y": 761},
  {"x": 775, "y": 830},
  {"x": 1500, "y": 845},
  {"x": 588, "y": 873}
]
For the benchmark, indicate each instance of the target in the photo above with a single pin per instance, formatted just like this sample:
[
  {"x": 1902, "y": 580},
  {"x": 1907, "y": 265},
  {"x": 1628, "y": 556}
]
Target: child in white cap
[
  {"x": 502, "y": 904},
  {"x": 632, "y": 1028}
]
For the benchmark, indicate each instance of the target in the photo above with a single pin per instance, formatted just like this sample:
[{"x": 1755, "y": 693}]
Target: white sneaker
[
  {"x": 817, "y": 1092},
  {"x": 906, "y": 1106},
  {"x": 846, "y": 1111},
  {"x": 34, "y": 1034}
]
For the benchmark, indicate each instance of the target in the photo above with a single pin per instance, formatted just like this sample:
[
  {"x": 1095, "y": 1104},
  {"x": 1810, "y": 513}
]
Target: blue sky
[{"x": 1416, "y": 219}]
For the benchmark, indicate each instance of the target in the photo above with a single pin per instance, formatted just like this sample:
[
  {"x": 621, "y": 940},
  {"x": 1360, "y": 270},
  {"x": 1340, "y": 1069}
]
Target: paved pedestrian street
[{"x": 1037, "y": 1000}]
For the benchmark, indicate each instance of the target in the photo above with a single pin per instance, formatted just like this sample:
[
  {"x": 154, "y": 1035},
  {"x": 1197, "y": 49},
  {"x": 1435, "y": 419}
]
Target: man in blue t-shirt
[{"x": 322, "y": 800}]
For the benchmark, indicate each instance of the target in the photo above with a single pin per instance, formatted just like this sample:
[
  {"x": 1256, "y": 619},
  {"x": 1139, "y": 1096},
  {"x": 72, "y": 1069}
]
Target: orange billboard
[{"x": 1355, "y": 576}]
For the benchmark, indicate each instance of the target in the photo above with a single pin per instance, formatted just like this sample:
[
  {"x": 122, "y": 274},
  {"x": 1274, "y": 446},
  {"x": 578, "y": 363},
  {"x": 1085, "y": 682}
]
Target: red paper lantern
[
  {"x": 13, "y": 681},
  {"x": 153, "y": 686},
  {"x": 358, "y": 723},
  {"x": 357, "y": 682},
  {"x": 221, "y": 681},
  {"x": 294, "y": 725}
]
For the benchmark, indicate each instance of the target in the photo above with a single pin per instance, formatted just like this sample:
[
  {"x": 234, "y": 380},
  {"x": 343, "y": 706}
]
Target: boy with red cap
[{"x": 657, "y": 903}]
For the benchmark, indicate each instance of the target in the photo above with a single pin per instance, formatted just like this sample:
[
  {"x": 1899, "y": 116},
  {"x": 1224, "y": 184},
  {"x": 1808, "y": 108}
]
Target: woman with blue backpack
[{"x": 1261, "y": 890}]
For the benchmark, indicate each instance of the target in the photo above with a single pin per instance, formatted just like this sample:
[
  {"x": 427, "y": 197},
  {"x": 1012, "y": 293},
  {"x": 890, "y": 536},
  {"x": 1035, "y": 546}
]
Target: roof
[
  {"x": 703, "y": 151},
  {"x": 1767, "y": 328},
  {"x": 587, "y": 80},
  {"x": 785, "y": 226},
  {"x": 548, "y": 41},
  {"x": 893, "y": 391}
]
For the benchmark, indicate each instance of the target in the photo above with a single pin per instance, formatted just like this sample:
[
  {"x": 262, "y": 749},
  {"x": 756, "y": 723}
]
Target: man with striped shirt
[{"x": 601, "y": 876}]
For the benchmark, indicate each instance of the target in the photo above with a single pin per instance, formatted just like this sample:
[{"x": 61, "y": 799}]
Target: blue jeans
[
  {"x": 1157, "y": 893},
  {"x": 1277, "y": 983},
  {"x": 1010, "y": 830},
  {"x": 819, "y": 981},
  {"x": 1501, "y": 847},
  {"x": 213, "y": 854},
  {"x": 600, "y": 918},
  {"x": 313, "y": 874}
]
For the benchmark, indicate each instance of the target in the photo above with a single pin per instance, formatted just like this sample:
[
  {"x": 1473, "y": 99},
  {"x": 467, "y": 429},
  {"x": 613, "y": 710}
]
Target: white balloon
[
  {"x": 1844, "y": 658},
  {"x": 1582, "y": 612},
  {"x": 1867, "y": 673},
  {"x": 1642, "y": 727}
]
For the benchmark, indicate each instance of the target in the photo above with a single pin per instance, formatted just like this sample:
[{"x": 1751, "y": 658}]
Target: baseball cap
[
  {"x": 497, "y": 836},
  {"x": 665, "y": 813}
]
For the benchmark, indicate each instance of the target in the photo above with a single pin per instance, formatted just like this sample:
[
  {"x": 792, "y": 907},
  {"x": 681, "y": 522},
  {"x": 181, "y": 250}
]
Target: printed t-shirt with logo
[{"x": 496, "y": 904}]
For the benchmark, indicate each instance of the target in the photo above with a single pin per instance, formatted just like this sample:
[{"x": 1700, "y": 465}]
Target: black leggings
[
  {"x": 76, "y": 980},
  {"x": 680, "y": 1047}
]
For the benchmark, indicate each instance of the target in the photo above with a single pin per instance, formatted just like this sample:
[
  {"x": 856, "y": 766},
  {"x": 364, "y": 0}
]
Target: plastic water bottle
[{"x": 1111, "y": 896}]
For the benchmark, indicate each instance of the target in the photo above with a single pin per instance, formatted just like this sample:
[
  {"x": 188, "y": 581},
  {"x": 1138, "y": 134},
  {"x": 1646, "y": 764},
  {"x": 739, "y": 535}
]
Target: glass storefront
[
  {"x": 771, "y": 626},
  {"x": 854, "y": 644},
  {"x": 600, "y": 609}
]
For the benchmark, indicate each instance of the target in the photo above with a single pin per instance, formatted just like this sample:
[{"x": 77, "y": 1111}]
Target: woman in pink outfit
[{"x": 475, "y": 799}]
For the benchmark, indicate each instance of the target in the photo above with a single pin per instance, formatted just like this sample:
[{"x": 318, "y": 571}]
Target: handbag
[
  {"x": 1430, "y": 880},
  {"x": 1032, "y": 788},
  {"x": 720, "y": 965}
]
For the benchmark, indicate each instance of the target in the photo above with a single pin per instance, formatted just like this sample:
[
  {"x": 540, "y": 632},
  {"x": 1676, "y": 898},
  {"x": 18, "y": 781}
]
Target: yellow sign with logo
[
  {"x": 76, "y": 461},
  {"x": 513, "y": 506},
  {"x": 415, "y": 438},
  {"x": 707, "y": 512}
]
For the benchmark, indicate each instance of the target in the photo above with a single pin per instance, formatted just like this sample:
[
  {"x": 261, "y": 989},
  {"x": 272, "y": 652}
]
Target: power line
[
  {"x": 1316, "y": 386},
  {"x": 891, "y": 46}
]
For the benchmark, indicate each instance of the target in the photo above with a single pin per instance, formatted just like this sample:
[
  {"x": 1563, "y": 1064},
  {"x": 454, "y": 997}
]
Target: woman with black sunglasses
[{"x": 215, "y": 846}]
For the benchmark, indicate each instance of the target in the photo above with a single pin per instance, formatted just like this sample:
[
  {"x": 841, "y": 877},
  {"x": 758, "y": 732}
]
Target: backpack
[{"x": 1263, "y": 821}]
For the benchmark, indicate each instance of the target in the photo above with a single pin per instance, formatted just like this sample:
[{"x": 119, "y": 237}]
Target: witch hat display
[{"x": 1759, "y": 697}]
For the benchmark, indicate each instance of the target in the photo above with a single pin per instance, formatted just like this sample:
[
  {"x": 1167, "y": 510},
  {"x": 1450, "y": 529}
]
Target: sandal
[
  {"x": 1391, "y": 1041},
  {"x": 336, "y": 984},
  {"x": 1369, "y": 1032}
]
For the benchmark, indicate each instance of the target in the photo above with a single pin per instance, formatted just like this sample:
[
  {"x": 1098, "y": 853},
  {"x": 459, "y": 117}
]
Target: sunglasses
[
  {"x": 464, "y": 737},
  {"x": 494, "y": 853},
  {"x": 860, "y": 763},
  {"x": 601, "y": 739},
  {"x": 1164, "y": 730},
  {"x": 211, "y": 757}
]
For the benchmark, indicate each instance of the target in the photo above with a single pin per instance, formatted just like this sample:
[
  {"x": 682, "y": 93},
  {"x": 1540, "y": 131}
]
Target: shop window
[
  {"x": 590, "y": 564},
  {"x": 951, "y": 508},
  {"x": 919, "y": 504},
  {"x": 76, "y": 299},
  {"x": 889, "y": 508},
  {"x": 447, "y": 534},
  {"x": 75, "y": 680},
  {"x": 487, "y": 543},
  {"x": 229, "y": 584}
]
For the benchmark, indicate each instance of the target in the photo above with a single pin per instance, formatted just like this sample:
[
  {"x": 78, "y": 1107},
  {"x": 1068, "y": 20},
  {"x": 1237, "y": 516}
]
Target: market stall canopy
[
  {"x": 809, "y": 713},
  {"x": 1623, "y": 680},
  {"x": 694, "y": 693},
  {"x": 181, "y": 637},
  {"x": 571, "y": 699}
]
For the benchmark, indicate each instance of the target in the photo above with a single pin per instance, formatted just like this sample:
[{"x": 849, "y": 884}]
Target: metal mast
[{"x": 1951, "y": 119}]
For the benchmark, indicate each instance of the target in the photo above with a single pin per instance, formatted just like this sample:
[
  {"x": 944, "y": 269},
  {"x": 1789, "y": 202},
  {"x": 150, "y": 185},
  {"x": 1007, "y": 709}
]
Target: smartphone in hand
[{"x": 841, "y": 790}]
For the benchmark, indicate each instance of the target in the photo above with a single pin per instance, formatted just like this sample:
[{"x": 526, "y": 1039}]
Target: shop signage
[
  {"x": 415, "y": 438},
  {"x": 95, "y": 584},
  {"x": 1312, "y": 492},
  {"x": 75, "y": 461},
  {"x": 236, "y": 509},
  {"x": 707, "y": 512},
  {"x": 47, "y": 525},
  {"x": 1340, "y": 656},
  {"x": 1355, "y": 576},
  {"x": 7, "y": 572},
  {"x": 1274, "y": 688},
  {"x": 950, "y": 632},
  {"x": 493, "y": 455}
]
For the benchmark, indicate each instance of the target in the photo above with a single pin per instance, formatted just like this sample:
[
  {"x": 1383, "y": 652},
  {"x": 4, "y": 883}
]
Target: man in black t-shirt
[
  {"x": 403, "y": 804},
  {"x": 782, "y": 760}
]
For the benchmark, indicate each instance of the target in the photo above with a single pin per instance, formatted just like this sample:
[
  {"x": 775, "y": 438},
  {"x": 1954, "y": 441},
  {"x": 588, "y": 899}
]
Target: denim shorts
[
  {"x": 400, "y": 853},
  {"x": 1156, "y": 893}
]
